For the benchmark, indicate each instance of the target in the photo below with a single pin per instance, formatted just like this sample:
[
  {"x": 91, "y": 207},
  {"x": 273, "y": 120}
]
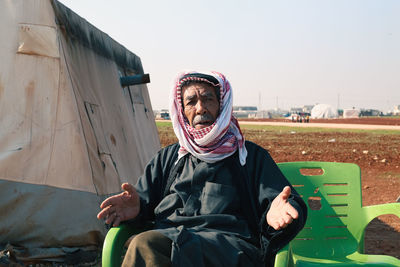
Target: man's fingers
[
  {"x": 292, "y": 212},
  {"x": 282, "y": 222},
  {"x": 104, "y": 212},
  {"x": 288, "y": 219},
  {"x": 282, "y": 213},
  {"x": 128, "y": 187},
  {"x": 110, "y": 201},
  {"x": 111, "y": 218},
  {"x": 105, "y": 203},
  {"x": 285, "y": 221},
  {"x": 285, "y": 194},
  {"x": 100, "y": 215},
  {"x": 276, "y": 226},
  {"x": 116, "y": 198},
  {"x": 117, "y": 221}
]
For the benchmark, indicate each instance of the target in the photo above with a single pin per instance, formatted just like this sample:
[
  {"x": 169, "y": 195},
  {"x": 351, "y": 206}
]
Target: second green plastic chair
[{"x": 334, "y": 231}]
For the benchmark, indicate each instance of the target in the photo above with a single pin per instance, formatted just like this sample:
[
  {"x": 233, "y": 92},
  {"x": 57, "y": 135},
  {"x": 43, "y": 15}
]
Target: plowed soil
[{"x": 377, "y": 154}]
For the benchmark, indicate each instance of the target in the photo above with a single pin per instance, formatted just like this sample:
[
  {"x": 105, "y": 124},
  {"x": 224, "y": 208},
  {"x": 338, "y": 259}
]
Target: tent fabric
[
  {"x": 69, "y": 133},
  {"x": 323, "y": 111}
]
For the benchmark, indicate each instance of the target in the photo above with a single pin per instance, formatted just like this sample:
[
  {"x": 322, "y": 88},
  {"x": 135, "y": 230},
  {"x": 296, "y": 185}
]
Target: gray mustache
[{"x": 200, "y": 118}]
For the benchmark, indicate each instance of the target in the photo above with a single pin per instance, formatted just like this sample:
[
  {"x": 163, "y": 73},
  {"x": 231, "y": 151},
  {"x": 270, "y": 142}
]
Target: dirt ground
[{"x": 378, "y": 156}]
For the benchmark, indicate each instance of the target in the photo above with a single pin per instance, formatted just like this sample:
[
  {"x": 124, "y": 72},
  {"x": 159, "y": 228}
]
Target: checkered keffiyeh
[{"x": 217, "y": 141}]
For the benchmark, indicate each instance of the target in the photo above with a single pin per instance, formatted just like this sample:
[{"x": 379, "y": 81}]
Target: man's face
[{"x": 200, "y": 104}]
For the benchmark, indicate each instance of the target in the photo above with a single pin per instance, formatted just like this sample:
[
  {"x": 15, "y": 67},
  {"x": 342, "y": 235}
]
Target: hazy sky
[{"x": 274, "y": 53}]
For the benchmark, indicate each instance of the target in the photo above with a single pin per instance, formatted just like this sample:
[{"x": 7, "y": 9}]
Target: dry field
[{"x": 375, "y": 151}]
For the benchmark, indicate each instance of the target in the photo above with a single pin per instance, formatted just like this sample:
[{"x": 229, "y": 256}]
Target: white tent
[
  {"x": 70, "y": 134},
  {"x": 323, "y": 111}
]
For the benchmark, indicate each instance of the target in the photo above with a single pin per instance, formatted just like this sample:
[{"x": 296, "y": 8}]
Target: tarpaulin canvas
[{"x": 70, "y": 134}]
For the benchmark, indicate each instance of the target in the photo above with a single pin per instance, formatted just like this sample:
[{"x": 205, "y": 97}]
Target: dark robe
[{"x": 214, "y": 213}]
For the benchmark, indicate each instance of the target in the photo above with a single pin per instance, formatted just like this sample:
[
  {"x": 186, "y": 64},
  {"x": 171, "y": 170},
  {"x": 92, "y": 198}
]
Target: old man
[{"x": 215, "y": 199}]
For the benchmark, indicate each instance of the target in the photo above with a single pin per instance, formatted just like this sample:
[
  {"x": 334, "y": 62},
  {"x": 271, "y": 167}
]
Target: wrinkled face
[{"x": 200, "y": 104}]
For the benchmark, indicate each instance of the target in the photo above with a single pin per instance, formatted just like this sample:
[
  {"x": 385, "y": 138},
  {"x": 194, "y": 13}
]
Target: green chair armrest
[
  {"x": 371, "y": 212},
  {"x": 283, "y": 256},
  {"x": 113, "y": 247}
]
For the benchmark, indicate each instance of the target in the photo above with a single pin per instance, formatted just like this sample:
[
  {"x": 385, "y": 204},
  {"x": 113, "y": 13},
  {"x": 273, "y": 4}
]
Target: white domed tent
[
  {"x": 70, "y": 134},
  {"x": 323, "y": 111}
]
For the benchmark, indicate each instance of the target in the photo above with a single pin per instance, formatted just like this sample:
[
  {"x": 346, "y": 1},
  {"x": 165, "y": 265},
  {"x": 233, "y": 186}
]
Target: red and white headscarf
[{"x": 214, "y": 142}]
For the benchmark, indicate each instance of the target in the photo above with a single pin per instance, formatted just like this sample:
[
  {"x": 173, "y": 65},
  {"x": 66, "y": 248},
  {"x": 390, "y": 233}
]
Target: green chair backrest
[{"x": 333, "y": 198}]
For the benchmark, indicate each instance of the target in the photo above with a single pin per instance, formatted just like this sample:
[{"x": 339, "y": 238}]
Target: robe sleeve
[
  {"x": 267, "y": 181},
  {"x": 151, "y": 184}
]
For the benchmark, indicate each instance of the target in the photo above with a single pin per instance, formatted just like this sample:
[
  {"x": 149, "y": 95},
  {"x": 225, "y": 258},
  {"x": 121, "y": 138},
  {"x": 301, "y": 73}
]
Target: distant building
[
  {"x": 245, "y": 111},
  {"x": 370, "y": 112},
  {"x": 351, "y": 113},
  {"x": 244, "y": 108},
  {"x": 296, "y": 110},
  {"x": 273, "y": 113},
  {"x": 264, "y": 114}
]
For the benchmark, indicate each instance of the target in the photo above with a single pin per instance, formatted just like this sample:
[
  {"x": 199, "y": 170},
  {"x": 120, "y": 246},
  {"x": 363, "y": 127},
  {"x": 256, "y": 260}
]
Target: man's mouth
[{"x": 202, "y": 121}]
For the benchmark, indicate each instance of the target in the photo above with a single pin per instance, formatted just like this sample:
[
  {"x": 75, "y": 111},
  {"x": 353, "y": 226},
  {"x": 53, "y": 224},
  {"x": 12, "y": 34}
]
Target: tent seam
[{"x": 83, "y": 131}]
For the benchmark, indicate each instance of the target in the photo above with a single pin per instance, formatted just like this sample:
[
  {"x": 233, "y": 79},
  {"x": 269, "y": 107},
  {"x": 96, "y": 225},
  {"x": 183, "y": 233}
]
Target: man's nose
[{"x": 200, "y": 107}]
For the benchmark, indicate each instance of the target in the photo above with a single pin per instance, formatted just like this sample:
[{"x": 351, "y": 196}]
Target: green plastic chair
[
  {"x": 113, "y": 246},
  {"x": 334, "y": 231}
]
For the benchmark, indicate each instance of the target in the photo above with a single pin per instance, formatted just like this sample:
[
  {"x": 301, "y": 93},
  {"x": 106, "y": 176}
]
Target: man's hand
[
  {"x": 281, "y": 213},
  {"x": 121, "y": 207}
]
